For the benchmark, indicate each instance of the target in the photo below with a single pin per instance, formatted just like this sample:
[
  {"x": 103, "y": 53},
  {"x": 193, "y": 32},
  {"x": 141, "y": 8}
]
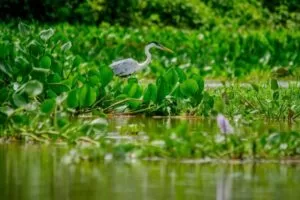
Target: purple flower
[{"x": 223, "y": 124}]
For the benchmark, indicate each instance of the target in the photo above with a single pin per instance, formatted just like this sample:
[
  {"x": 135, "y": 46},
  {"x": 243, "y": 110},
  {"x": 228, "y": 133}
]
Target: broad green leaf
[
  {"x": 19, "y": 100},
  {"x": 106, "y": 75},
  {"x": 46, "y": 34},
  {"x": 45, "y": 62},
  {"x": 87, "y": 96},
  {"x": 208, "y": 100},
  {"x": 48, "y": 106},
  {"x": 181, "y": 74},
  {"x": 134, "y": 103},
  {"x": 199, "y": 81},
  {"x": 35, "y": 48},
  {"x": 94, "y": 80},
  {"x": 66, "y": 46},
  {"x": 72, "y": 99},
  {"x": 135, "y": 91},
  {"x": 171, "y": 77},
  {"x": 189, "y": 87},
  {"x": 274, "y": 84},
  {"x": 150, "y": 93},
  {"x": 33, "y": 88},
  {"x": 132, "y": 89},
  {"x": 162, "y": 88}
]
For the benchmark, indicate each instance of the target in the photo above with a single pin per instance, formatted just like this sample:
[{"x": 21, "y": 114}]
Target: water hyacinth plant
[{"x": 224, "y": 124}]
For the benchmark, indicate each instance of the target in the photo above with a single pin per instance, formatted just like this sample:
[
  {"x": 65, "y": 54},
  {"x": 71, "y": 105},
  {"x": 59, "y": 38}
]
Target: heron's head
[{"x": 159, "y": 46}]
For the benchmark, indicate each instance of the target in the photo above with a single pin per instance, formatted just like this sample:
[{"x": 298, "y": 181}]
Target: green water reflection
[{"x": 37, "y": 172}]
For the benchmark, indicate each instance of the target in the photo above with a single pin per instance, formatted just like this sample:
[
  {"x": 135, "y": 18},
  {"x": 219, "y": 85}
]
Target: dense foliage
[
  {"x": 50, "y": 75},
  {"x": 187, "y": 13}
]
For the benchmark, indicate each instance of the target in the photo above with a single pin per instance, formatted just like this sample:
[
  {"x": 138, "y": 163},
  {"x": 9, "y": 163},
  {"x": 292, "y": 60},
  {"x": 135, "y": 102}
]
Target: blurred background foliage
[{"x": 180, "y": 13}]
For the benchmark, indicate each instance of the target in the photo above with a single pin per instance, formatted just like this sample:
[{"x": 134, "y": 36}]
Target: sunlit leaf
[
  {"x": 66, "y": 46},
  {"x": 19, "y": 100},
  {"x": 33, "y": 88},
  {"x": 46, "y": 34},
  {"x": 87, "y": 96}
]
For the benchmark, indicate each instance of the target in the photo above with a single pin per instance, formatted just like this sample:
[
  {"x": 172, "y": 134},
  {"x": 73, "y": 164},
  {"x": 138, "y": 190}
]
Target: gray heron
[{"x": 129, "y": 66}]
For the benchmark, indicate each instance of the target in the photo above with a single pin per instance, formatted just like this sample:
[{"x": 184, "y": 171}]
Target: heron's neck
[{"x": 148, "y": 59}]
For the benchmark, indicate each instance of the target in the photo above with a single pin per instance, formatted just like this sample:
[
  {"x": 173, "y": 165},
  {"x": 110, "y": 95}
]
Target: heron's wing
[{"x": 124, "y": 67}]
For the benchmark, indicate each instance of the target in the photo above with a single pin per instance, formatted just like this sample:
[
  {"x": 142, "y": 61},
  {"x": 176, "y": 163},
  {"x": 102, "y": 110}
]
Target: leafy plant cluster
[
  {"x": 220, "y": 52},
  {"x": 59, "y": 74},
  {"x": 41, "y": 77},
  {"x": 183, "y": 13}
]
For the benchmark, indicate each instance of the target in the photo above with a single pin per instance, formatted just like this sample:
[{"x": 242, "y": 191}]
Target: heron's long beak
[{"x": 167, "y": 49}]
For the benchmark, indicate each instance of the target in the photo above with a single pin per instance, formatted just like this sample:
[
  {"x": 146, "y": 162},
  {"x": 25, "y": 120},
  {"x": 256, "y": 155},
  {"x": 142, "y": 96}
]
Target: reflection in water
[
  {"x": 224, "y": 184},
  {"x": 36, "y": 172}
]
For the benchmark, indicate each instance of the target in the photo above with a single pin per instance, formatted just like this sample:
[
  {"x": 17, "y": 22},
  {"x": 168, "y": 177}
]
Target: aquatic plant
[{"x": 224, "y": 124}]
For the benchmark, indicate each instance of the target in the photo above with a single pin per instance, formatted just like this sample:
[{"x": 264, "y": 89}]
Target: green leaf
[
  {"x": 48, "y": 106},
  {"x": 59, "y": 88},
  {"x": 189, "y": 87},
  {"x": 274, "y": 84},
  {"x": 106, "y": 75},
  {"x": 87, "y": 96},
  {"x": 162, "y": 88},
  {"x": 150, "y": 94},
  {"x": 72, "y": 99},
  {"x": 171, "y": 77},
  {"x": 66, "y": 46},
  {"x": 199, "y": 81},
  {"x": 255, "y": 87},
  {"x": 93, "y": 80},
  {"x": 45, "y": 62},
  {"x": 46, "y": 34},
  {"x": 4, "y": 50},
  {"x": 5, "y": 70},
  {"x": 23, "y": 28},
  {"x": 77, "y": 61},
  {"x": 3, "y": 94},
  {"x": 181, "y": 74},
  {"x": 35, "y": 48},
  {"x": 19, "y": 100},
  {"x": 276, "y": 95},
  {"x": 33, "y": 88}
]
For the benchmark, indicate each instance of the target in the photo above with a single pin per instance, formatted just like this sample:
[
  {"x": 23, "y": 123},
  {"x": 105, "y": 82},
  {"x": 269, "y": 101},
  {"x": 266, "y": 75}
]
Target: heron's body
[
  {"x": 125, "y": 67},
  {"x": 129, "y": 66}
]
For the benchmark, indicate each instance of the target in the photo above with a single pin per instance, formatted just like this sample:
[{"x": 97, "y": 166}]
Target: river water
[{"x": 37, "y": 171}]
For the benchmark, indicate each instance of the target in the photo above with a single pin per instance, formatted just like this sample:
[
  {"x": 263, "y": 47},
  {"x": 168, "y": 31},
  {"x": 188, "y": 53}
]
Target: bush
[{"x": 180, "y": 13}]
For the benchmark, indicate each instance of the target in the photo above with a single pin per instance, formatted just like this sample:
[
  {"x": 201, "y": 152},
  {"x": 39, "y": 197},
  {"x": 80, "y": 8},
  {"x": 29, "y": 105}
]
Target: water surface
[{"x": 37, "y": 171}]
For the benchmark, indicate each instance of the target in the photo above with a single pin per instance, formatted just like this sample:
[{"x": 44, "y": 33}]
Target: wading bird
[{"x": 129, "y": 66}]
